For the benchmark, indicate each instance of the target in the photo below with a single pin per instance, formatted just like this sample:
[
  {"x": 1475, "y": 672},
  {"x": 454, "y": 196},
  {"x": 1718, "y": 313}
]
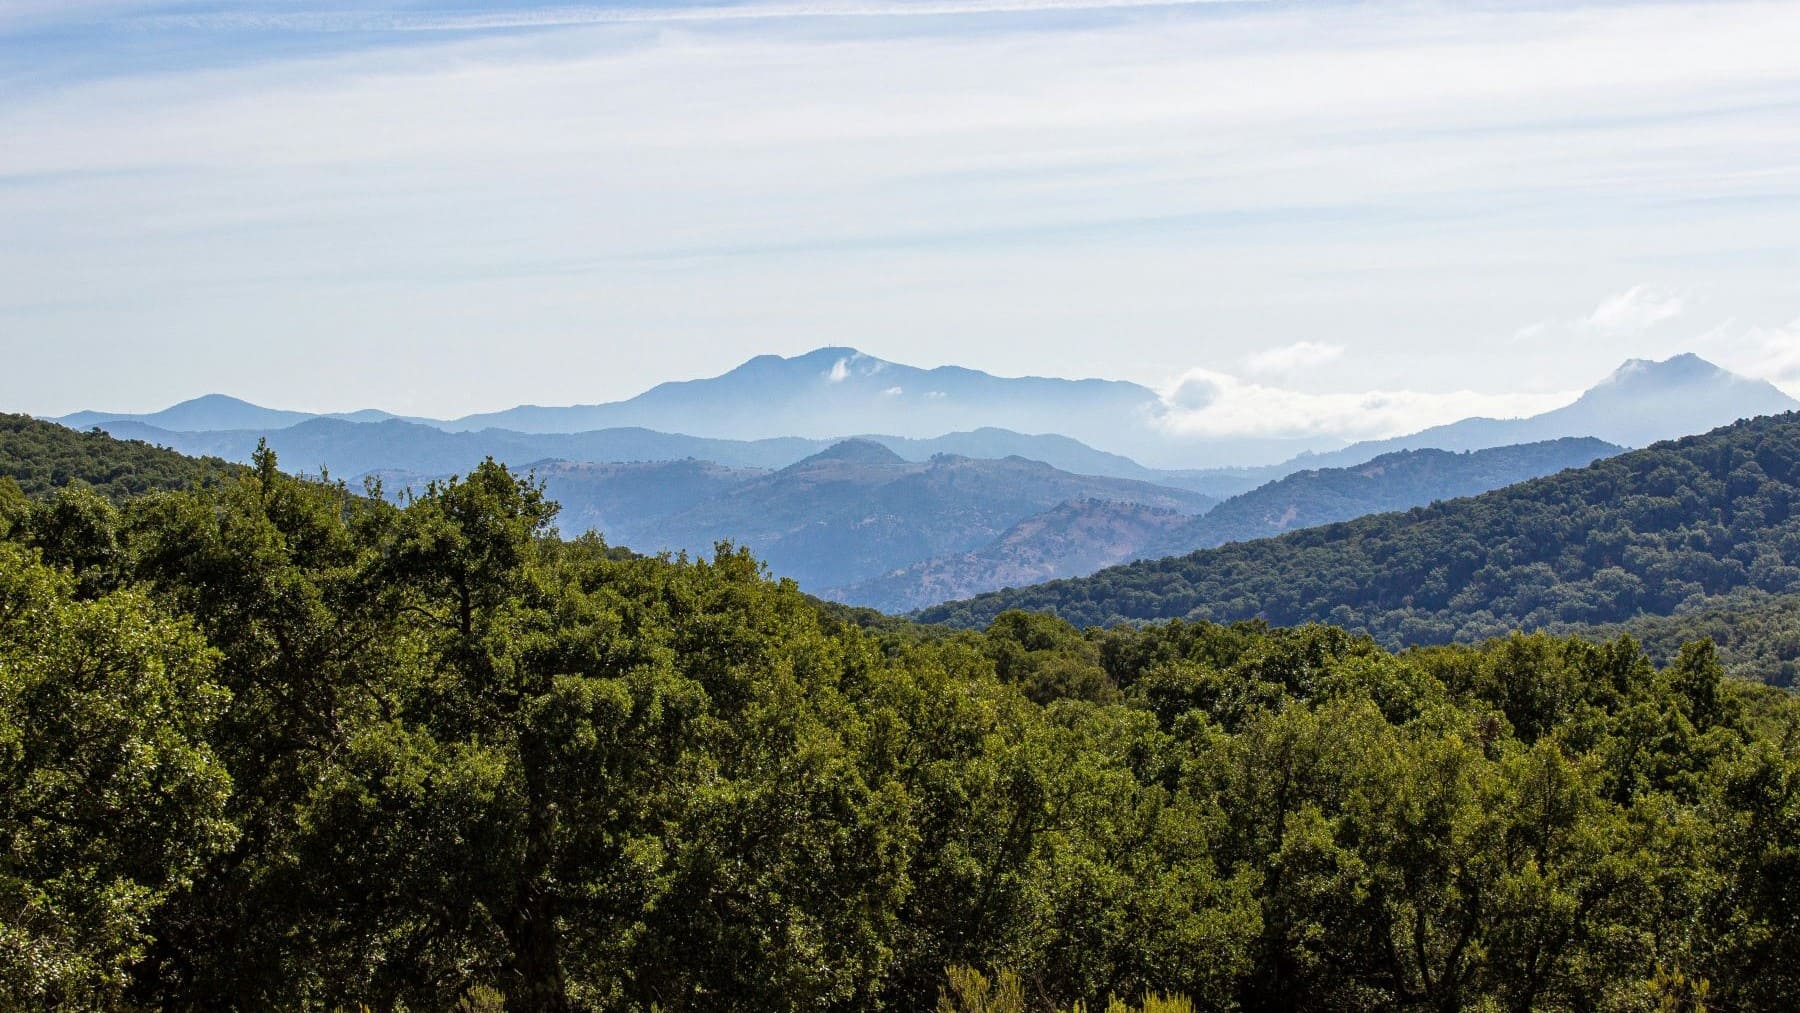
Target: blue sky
[{"x": 1330, "y": 218}]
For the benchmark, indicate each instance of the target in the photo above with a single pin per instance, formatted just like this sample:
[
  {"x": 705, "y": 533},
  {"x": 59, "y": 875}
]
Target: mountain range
[
  {"x": 213, "y": 412},
  {"x": 353, "y": 449},
  {"x": 1635, "y": 545},
  {"x": 1078, "y": 538},
  {"x": 858, "y": 510},
  {"x": 858, "y": 523},
  {"x": 771, "y": 411},
  {"x": 825, "y": 394},
  {"x": 903, "y": 521},
  {"x": 1649, "y": 532}
]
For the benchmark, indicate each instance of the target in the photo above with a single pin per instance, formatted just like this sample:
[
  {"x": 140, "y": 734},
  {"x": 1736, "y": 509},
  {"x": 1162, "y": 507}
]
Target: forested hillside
[
  {"x": 1643, "y": 532},
  {"x": 1067, "y": 540},
  {"x": 268, "y": 745},
  {"x": 42, "y": 456},
  {"x": 1757, "y": 634},
  {"x": 1396, "y": 481}
]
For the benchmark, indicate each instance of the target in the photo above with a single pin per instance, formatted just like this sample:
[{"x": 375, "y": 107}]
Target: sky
[{"x": 1356, "y": 219}]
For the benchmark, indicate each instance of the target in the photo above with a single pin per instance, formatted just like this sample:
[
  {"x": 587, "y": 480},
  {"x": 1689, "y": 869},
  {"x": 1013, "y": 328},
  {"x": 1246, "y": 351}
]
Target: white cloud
[
  {"x": 1205, "y": 403},
  {"x": 1532, "y": 332},
  {"x": 1625, "y": 315},
  {"x": 1633, "y": 311},
  {"x": 893, "y": 392},
  {"x": 1778, "y": 353},
  {"x": 1291, "y": 358},
  {"x": 839, "y": 372},
  {"x": 1771, "y": 353}
]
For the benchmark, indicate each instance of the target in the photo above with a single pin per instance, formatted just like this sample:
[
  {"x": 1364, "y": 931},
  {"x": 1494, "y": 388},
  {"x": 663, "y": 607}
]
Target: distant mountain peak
[
  {"x": 206, "y": 412},
  {"x": 214, "y": 401},
  {"x": 856, "y": 451},
  {"x": 1644, "y": 388},
  {"x": 1684, "y": 368},
  {"x": 827, "y": 353},
  {"x": 829, "y": 365}
]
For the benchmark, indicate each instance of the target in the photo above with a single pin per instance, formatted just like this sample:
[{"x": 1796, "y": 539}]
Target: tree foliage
[
  {"x": 114, "y": 796},
  {"x": 268, "y": 744},
  {"x": 40, "y": 457}
]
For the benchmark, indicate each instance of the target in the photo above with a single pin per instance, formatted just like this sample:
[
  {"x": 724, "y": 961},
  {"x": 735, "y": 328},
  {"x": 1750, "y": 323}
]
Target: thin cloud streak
[
  {"x": 1297, "y": 356},
  {"x": 1635, "y": 310},
  {"x": 1768, "y": 351},
  {"x": 1627, "y": 314},
  {"x": 567, "y": 17}
]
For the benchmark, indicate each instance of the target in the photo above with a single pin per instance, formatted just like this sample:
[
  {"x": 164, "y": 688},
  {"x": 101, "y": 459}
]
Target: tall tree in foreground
[{"x": 113, "y": 797}]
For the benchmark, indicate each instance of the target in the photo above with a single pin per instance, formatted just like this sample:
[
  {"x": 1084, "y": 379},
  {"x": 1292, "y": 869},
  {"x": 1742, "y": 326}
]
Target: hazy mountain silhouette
[
  {"x": 1071, "y": 539},
  {"x": 858, "y": 510},
  {"x": 829, "y": 392},
  {"x": 215, "y": 412},
  {"x": 803, "y": 403},
  {"x": 1640, "y": 403},
  {"x": 352, "y": 448}
]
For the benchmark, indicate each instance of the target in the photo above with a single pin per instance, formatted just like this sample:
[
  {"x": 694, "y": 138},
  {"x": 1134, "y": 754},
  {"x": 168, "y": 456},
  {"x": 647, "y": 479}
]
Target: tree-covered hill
[
  {"x": 1757, "y": 634},
  {"x": 1640, "y": 533},
  {"x": 43, "y": 456},
  {"x": 1069, "y": 539},
  {"x": 1396, "y": 481}
]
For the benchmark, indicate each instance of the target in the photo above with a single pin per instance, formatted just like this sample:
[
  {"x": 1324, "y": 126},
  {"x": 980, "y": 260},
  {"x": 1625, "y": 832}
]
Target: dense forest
[
  {"x": 1396, "y": 481},
  {"x": 1644, "y": 533},
  {"x": 1757, "y": 634},
  {"x": 268, "y": 744},
  {"x": 40, "y": 456}
]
